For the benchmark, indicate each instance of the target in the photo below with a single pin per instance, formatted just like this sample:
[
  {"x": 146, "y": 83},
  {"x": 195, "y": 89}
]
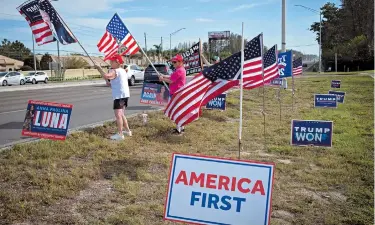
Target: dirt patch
[
  {"x": 282, "y": 214},
  {"x": 92, "y": 204},
  {"x": 312, "y": 196},
  {"x": 334, "y": 195},
  {"x": 285, "y": 161}
]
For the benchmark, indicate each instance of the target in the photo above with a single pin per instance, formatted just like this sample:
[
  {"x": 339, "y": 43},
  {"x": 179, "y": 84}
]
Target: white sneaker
[
  {"x": 128, "y": 133},
  {"x": 117, "y": 137}
]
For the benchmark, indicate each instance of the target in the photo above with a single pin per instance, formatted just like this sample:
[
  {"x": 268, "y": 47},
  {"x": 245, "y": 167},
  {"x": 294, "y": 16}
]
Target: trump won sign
[
  {"x": 47, "y": 120},
  {"x": 311, "y": 132},
  {"x": 340, "y": 95},
  {"x": 336, "y": 84},
  {"x": 208, "y": 190},
  {"x": 217, "y": 103},
  {"x": 325, "y": 101}
]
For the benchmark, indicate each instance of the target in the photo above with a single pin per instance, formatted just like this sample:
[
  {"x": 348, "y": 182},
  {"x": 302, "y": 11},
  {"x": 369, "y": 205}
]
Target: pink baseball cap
[{"x": 177, "y": 58}]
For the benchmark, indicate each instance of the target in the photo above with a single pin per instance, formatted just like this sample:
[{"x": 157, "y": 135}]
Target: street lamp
[
  {"x": 170, "y": 41},
  {"x": 320, "y": 34}
]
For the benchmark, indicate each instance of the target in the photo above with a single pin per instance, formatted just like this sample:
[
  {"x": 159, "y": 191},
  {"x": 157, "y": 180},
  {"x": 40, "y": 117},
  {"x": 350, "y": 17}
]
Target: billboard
[{"x": 219, "y": 35}]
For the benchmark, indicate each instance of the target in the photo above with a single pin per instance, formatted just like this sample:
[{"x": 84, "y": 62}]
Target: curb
[{"x": 67, "y": 84}]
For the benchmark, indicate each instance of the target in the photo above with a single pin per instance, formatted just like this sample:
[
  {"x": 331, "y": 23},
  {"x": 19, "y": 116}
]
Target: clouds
[
  {"x": 245, "y": 6},
  {"x": 203, "y": 20}
]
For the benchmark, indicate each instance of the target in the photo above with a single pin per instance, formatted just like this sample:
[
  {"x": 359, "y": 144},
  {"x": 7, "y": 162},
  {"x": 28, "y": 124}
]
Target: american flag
[
  {"x": 253, "y": 64},
  {"x": 297, "y": 66},
  {"x": 184, "y": 106},
  {"x": 127, "y": 44},
  {"x": 108, "y": 45},
  {"x": 55, "y": 22},
  {"x": 40, "y": 29}
]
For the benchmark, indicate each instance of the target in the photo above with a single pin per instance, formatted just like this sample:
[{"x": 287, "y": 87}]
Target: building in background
[{"x": 8, "y": 64}]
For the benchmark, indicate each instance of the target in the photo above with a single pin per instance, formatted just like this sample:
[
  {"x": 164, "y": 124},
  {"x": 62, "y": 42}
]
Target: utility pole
[
  {"x": 32, "y": 38},
  {"x": 336, "y": 62},
  {"x": 161, "y": 48},
  {"x": 283, "y": 41},
  {"x": 145, "y": 42},
  {"x": 58, "y": 59},
  {"x": 320, "y": 42}
]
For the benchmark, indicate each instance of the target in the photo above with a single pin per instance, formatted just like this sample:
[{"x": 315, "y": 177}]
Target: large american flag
[
  {"x": 127, "y": 45},
  {"x": 184, "y": 106},
  {"x": 297, "y": 66},
  {"x": 40, "y": 29}
]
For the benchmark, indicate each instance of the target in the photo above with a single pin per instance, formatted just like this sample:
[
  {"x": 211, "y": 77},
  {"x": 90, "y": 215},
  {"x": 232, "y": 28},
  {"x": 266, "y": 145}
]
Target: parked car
[
  {"x": 35, "y": 77},
  {"x": 12, "y": 78},
  {"x": 152, "y": 77},
  {"x": 135, "y": 73}
]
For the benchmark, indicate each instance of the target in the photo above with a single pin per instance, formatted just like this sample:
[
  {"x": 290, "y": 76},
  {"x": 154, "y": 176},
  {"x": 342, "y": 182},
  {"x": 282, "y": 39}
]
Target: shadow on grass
[{"x": 112, "y": 168}]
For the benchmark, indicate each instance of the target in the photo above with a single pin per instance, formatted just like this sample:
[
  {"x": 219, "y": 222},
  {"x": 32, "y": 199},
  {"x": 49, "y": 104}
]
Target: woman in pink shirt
[{"x": 176, "y": 80}]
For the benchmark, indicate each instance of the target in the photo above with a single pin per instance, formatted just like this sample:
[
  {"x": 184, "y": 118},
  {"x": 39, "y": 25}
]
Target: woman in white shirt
[{"x": 118, "y": 80}]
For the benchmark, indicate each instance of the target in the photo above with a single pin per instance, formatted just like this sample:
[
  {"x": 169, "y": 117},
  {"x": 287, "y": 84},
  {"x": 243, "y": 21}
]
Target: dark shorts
[{"x": 120, "y": 103}]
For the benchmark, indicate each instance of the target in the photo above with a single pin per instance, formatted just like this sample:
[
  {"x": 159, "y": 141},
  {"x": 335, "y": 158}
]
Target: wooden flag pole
[
  {"x": 292, "y": 84},
  {"x": 241, "y": 96}
]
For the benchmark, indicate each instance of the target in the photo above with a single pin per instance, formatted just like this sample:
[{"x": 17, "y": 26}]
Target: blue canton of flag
[
  {"x": 117, "y": 28},
  {"x": 127, "y": 44},
  {"x": 52, "y": 18}
]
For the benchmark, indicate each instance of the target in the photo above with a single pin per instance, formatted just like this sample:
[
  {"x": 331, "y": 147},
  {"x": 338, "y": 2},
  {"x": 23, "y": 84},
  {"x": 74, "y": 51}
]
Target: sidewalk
[{"x": 50, "y": 85}]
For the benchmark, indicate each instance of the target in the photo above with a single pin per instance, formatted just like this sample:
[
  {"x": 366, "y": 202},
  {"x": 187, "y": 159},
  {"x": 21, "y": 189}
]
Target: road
[{"x": 91, "y": 104}]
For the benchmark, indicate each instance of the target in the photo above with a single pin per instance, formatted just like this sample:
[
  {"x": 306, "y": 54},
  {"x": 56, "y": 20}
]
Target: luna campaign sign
[
  {"x": 192, "y": 59},
  {"x": 285, "y": 64},
  {"x": 49, "y": 120},
  {"x": 336, "y": 84},
  {"x": 339, "y": 94},
  {"x": 208, "y": 190},
  {"x": 217, "y": 103},
  {"x": 311, "y": 132},
  {"x": 154, "y": 94},
  {"x": 325, "y": 101}
]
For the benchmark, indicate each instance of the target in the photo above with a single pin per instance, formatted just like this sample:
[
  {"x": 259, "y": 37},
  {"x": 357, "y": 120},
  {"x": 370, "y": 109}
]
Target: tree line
[{"x": 348, "y": 31}]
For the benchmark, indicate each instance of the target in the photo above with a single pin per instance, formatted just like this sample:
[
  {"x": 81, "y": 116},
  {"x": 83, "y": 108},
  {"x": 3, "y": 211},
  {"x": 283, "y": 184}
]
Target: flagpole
[
  {"x": 292, "y": 83},
  {"x": 62, "y": 20},
  {"x": 241, "y": 96},
  {"x": 263, "y": 110},
  {"x": 145, "y": 54}
]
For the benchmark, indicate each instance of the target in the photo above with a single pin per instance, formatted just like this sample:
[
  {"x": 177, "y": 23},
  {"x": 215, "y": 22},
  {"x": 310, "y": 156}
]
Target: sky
[{"x": 88, "y": 18}]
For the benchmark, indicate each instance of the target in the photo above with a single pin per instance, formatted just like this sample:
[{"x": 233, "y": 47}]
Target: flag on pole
[
  {"x": 184, "y": 106},
  {"x": 297, "y": 66},
  {"x": 40, "y": 29},
  {"x": 55, "y": 22},
  {"x": 108, "y": 45},
  {"x": 127, "y": 44},
  {"x": 270, "y": 68}
]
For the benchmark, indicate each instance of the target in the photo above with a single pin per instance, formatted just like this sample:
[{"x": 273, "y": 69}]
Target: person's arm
[
  {"x": 109, "y": 76},
  {"x": 166, "y": 78}
]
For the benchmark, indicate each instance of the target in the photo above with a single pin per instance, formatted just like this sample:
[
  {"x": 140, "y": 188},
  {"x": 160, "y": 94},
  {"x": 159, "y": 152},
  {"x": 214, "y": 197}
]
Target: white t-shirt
[{"x": 119, "y": 85}]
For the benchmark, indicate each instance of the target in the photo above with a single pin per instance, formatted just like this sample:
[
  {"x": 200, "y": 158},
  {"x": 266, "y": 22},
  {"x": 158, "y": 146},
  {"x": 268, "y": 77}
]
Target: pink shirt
[{"x": 178, "y": 77}]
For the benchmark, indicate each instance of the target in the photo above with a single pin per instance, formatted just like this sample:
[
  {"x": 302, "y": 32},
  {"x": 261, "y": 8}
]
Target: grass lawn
[{"x": 89, "y": 179}]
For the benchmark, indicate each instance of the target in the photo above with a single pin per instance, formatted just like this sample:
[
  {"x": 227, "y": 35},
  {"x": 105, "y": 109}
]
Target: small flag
[
  {"x": 52, "y": 18},
  {"x": 40, "y": 29},
  {"x": 127, "y": 44},
  {"x": 108, "y": 45},
  {"x": 271, "y": 68},
  {"x": 297, "y": 67}
]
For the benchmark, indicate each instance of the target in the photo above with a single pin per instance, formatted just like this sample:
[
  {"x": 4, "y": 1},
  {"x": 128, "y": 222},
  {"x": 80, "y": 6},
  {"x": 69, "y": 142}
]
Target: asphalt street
[{"x": 91, "y": 104}]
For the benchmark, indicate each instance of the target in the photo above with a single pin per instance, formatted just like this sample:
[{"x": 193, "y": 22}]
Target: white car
[
  {"x": 12, "y": 78},
  {"x": 135, "y": 73},
  {"x": 35, "y": 77}
]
